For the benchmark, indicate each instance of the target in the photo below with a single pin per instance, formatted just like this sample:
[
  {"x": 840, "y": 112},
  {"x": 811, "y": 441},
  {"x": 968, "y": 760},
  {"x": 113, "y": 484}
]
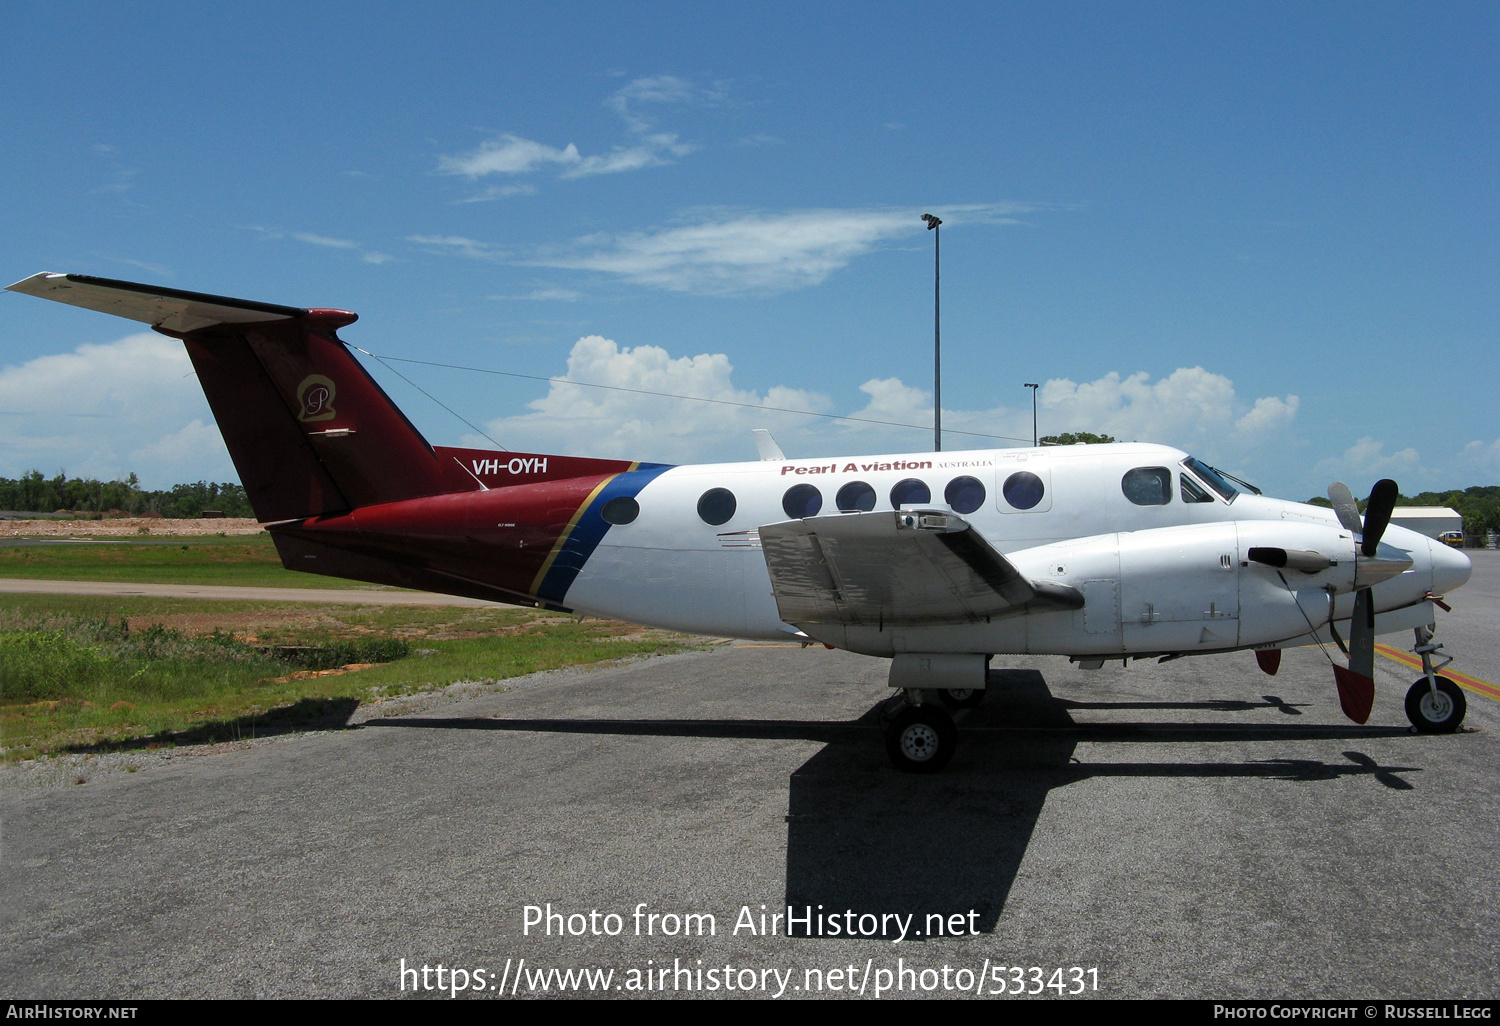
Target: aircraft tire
[
  {"x": 1436, "y": 714},
  {"x": 962, "y": 698},
  {"x": 921, "y": 739}
]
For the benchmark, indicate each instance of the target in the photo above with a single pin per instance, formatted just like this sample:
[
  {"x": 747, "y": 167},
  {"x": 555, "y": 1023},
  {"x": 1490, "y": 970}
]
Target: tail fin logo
[{"x": 315, "y": 397}]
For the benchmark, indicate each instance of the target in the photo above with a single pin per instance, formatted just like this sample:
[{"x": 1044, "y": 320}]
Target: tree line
[
  {"x": 33, "y": 493},
  {"x": 1479, "y": 506}
]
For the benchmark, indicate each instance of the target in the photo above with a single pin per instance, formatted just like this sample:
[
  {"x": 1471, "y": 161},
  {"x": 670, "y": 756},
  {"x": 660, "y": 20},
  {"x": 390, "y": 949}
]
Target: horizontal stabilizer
[
  {"x": 159, "y": 307},
  {"x": 890, "y": 568}
]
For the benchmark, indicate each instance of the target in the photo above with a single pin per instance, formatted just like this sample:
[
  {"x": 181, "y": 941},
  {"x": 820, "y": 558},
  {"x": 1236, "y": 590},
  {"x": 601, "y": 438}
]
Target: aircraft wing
[
  {"x": 161, "y": 308},
  {"x": 894, "y": 567}
]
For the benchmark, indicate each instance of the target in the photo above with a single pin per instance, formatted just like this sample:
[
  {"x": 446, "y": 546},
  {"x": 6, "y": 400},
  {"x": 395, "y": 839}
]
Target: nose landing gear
[{"x": 1435, "y": 705}]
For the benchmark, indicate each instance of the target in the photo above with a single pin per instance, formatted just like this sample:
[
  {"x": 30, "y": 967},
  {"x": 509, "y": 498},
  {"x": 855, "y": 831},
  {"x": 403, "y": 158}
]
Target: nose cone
[{"x": 1450, "y": 567}]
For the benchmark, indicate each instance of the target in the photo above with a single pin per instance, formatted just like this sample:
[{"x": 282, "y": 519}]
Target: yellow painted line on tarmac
[{"x": 1474, "y": 684}]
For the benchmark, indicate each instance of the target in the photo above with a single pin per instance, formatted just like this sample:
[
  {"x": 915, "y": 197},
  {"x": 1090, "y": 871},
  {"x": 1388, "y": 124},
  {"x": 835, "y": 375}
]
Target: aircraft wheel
[
  {"x": 962, "y": 698},
  {"x": 921, "y": 739},
  {"x": 1440, "y": 713}
]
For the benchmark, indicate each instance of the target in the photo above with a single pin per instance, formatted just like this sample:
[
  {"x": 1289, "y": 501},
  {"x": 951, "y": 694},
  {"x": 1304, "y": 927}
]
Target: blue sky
[{"x": 1262, "y": 232}]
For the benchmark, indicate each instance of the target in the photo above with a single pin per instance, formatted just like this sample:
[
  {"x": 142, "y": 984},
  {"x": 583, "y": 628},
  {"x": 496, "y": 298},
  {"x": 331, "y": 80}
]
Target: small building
[{"x": 1429, "y": 520}]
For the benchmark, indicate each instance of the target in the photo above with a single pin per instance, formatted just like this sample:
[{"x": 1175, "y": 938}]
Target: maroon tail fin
[{"x": 309, "y": 430}]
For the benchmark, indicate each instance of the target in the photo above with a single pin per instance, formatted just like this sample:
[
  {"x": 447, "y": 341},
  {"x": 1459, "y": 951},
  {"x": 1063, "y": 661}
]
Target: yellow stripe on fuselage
[{"x": 562, "y": 539}]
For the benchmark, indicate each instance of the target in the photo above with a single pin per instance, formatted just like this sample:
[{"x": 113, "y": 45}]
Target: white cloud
[
  {"x": 369, "y": 256},
  {"x": 106, "y": 410},
  {"x": 660, "y": 89},
  {"x": 1368, "y": 456},
  {"x": 758, "y": 252},
  {"x": 150, "y": 268},
  {"x": 1479, "y": 457},
  {"x": 1269, "y": 413},
  {"x": 495, "y": 192},
  {"x": 507, "y": 155},
  {"x": 510, "y": 154},
  {"x": 324, "y": 240},
  {"x": 1191, "y": 408},
  {"x": 562, "y": 295},
  {"x": 639, "y": 426},
  {"x": 459, "y": 245},
  {"x": 653, "y": 151}
]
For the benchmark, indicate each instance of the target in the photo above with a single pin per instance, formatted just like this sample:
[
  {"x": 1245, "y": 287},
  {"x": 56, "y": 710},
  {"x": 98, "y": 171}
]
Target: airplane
[{"x": 937, "y": 561}]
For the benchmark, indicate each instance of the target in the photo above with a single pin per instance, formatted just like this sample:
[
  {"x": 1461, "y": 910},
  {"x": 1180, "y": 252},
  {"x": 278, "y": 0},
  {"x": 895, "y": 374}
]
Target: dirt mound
[{"x": 127, "y": 526}]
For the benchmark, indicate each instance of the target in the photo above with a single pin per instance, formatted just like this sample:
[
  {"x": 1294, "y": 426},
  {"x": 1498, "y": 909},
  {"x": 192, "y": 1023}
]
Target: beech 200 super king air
[{"x": 936, "y": 561}]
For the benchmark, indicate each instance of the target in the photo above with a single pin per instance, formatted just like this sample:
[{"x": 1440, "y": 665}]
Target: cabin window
[
  {"x": 716, "y": 506},
  {"x": 910, "y": 492},
  {"x": 802, "y": 500},
  {"x": 620, "y": 510},
  {"x": 1023, "y": 489},
  {"x": 856, "y": 496},
  {"x": 1191, "y": 490},
  {"x": 1148, "y": 486},
  {"x": 964, "y": 494}
]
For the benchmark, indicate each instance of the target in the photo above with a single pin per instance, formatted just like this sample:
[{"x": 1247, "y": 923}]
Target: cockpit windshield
[{"x": 1211, "y": 477}]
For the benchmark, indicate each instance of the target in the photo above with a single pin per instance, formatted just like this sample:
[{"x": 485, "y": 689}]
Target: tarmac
[{"x": 1188, "y": 829}]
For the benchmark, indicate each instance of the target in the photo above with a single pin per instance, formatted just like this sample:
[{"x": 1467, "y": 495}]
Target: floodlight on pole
[
  {"x": 937, "y": 335},
  {"x": 1033, "y": 388}
]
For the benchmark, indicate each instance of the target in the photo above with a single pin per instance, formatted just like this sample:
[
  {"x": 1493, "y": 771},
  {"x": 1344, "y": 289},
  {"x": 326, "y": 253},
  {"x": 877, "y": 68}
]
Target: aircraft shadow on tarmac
[
  {"x": 301, "y": 716},
  {"x": 863, "y": 837}
]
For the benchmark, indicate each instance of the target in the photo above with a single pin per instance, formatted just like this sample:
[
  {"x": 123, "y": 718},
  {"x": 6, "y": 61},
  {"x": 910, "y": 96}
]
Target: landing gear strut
[
  {"x": 921, "y": 737},
  {"x": 1435, "y": 705},
  {"x": 962, "y": 698}
]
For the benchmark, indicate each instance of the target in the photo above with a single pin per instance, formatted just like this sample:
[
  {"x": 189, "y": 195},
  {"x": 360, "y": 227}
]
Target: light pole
[
  {"x": 1033, "y": 388},
  {"x": 937, "y": 336}
]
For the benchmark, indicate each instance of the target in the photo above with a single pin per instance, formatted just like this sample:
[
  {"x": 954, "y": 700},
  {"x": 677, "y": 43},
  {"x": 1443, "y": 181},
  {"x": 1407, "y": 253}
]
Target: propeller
[{"x": 1356, "y": 684}]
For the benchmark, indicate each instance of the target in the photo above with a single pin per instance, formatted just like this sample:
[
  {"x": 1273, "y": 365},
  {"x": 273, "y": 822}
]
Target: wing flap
[
  {"x": 908, "y": 566},
  {"x": 159, "y": 307}
]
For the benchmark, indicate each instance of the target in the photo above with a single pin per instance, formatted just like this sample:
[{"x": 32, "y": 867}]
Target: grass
[
  {"x": 79, "y": 673},
  {"x": 247, "y": 561}
]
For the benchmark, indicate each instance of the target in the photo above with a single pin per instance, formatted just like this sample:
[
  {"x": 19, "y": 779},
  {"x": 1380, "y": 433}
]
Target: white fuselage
[{"x": 1163, "y": 575}]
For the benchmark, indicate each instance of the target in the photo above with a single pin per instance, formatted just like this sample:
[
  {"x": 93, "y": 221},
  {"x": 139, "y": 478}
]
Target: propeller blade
[
  {"x": 1345, "y": 506},
  {"x": 1378, "y": 513},
  {"x": 1357, "y": 683},
  {"x": 1269, "y": 660},
  {"x": 1362, "y": 635},
  {"x": 1356, "y": 694}
]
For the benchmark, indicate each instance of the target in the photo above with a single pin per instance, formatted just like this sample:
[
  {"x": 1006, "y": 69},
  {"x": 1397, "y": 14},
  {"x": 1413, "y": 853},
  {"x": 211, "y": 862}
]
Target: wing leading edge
[{"x": 906, "y": 566}]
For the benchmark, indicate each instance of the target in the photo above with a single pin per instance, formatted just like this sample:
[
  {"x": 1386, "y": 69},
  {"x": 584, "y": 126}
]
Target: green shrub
[{"x": 42, "y": 664}]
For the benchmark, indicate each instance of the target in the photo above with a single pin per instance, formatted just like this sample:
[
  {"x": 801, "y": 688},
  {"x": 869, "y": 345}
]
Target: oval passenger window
[
  {"x": 716, "y": 506},
  {"x": 910, "y": 492},
  {"x": 1023, "y": 489},
  {"x": 802, "y": 500},
  {"x": 1148, "y": 486},
  {"x": 621, "y": 510},
  {"x": 964, "y": 494},
  {"x": 856, "y": 496}
]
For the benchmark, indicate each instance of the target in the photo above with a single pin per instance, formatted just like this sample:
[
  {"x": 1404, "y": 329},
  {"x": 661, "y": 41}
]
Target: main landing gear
[
  {"x": 1435, "y": 705},
  {"x": 921, "y": 736}
]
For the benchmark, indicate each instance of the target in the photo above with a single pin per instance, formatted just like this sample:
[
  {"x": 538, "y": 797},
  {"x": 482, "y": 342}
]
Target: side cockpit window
[
  {"x": 1211, "y": 477},
  {"x": 1148, "y": 486},
  {"x": 1191, "y": 490}
]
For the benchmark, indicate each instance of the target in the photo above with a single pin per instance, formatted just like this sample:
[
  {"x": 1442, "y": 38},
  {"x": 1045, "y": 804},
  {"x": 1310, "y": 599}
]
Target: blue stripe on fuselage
[{"x": 590, "y": 529}]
